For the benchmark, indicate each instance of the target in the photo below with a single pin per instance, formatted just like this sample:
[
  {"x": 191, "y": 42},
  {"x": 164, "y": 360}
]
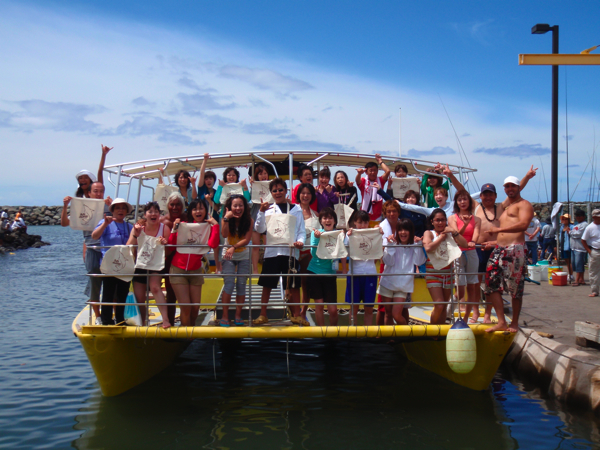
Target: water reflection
[{"x": 339, "y": 394}]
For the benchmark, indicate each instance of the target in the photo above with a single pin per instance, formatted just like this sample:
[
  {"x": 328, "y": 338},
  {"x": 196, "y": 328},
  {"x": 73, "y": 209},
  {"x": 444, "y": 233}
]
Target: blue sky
[{"x": 175, "y": 78}]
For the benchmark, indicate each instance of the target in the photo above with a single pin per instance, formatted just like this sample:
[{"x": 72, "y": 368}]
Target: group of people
[
  {"x": 18, "y": 224},
  {"x": 491, "y": 236}
]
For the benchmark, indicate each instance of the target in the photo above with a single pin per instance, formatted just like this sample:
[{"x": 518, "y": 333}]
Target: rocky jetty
[
  {"x": 19, "y": 240},
  {"x": 41, "y": 215}
]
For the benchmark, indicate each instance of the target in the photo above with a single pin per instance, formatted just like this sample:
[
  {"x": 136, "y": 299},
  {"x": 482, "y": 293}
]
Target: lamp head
[{"x": 540, "y": 28}]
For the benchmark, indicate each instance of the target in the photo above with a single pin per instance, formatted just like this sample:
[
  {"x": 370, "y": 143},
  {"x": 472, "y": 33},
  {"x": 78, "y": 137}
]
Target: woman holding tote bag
[{"x": 150, "y": 226}]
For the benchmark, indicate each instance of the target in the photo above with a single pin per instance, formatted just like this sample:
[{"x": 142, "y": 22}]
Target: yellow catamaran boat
[{"x": 124, "y": 356}]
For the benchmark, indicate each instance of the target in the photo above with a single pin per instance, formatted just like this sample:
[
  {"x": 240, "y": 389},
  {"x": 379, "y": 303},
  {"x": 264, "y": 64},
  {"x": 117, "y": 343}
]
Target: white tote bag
[
  {"x": 118, "y": 260},
  {"x": 260, "y": 190},
  {"x": 445, "y": 253},
  {"x": 229, "y": 190},
  {"x": 281, "y": 229},
  {"x": 401, "y": 185},
  {"x": 366, "y": 244},
  {"x": 86, "y": 213},
  {"x": 331, "y": 245},
  {"x": 343, "y": 212},
  {"x": 193, "y": 234},
  {"x": 161, "y": 195},
  {"x": 150, "y": 253},
  {"x": 310, "y": 225}
]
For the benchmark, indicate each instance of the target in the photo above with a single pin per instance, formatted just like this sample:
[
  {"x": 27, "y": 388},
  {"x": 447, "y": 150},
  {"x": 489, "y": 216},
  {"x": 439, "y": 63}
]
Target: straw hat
[{"x": 566, "y": 216}]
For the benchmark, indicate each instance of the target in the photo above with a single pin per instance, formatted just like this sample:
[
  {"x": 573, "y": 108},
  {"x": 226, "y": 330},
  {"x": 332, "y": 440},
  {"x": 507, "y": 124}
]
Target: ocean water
[{"x": 337, "y": 394}]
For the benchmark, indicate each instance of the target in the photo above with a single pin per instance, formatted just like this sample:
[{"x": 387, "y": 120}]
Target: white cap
[
  {"x": 511, "y": 180},
  {"x": 116, "y": 201},
  {"x": 88, "y": 173}
]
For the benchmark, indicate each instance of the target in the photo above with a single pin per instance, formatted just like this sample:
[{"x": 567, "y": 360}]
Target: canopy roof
[{"x": 148, "y": 169}]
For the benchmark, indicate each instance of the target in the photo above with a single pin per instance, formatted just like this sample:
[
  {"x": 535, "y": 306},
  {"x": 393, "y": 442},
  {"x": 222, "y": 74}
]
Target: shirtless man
[
  {"x": 507, "y": 266},
  {"x": 175, "y": 206},
  {"x": 489, "y": 212}
]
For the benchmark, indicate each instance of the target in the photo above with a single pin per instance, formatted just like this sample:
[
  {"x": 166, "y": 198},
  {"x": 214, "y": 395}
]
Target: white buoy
[{"x": 461, "y": 348}]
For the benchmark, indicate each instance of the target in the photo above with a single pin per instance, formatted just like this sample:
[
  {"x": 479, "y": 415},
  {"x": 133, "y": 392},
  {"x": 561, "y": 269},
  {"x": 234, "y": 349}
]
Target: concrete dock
[{"x": 558, "y": 366}]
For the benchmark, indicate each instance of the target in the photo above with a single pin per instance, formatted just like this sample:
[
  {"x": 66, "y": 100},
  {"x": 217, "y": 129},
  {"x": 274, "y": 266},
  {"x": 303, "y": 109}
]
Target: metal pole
[
  {"x": 120, "y": 168},
  {"x": 250, "y": 283},
  {"x": 351, "y": 293},
  {"x": 554, "y": 118},
  {"x": 137, "y": 203}
]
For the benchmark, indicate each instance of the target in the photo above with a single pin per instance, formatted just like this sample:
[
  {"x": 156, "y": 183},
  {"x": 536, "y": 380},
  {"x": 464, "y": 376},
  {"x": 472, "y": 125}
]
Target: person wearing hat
[
  {"x": 489, "y": 212},
  {"x": 507, "y": 267},
  {"x": 91, "y": 256},
  {"x": 85, "y": 178},
  {"x": 531, "y": 238},
  {"x": 564, "y": 242},
  {"x": 114, "y": 230},
  {"x": 591, "y": 243},
  {"x": 578, "y": 252}
]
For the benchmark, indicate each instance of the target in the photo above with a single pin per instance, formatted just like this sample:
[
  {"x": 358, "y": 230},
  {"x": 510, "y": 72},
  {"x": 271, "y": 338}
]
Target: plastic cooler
[
  {"x": 552, "y": 270},
  {"x": 559, "y": 278}
]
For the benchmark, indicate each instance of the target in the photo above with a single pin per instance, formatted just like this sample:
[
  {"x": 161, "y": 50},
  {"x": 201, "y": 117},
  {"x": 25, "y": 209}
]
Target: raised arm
[
  {"x": 359, "y": 172},
  {"x": 418, "y": 209},
  {"x": 105, "y": 151},
  {"x": 203, "y": 170},
  {"x": 386, "y": 169},
  {"x": 528, "y": 176},
  {"x": 64, "y": 218}
]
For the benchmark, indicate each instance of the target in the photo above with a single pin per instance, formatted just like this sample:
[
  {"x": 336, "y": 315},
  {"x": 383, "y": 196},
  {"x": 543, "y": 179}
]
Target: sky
[{"x": 155, "y": 79}]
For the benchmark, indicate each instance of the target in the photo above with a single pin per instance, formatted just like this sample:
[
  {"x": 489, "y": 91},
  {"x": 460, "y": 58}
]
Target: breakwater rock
[
  {"x": 41, "y": 215},
  {"x": 19, "y": 240}
]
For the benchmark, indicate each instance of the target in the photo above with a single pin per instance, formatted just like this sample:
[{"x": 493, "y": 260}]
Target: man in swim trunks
[
  {"x": 489, "y": 212},
  {"x": 507, "y": 266}
]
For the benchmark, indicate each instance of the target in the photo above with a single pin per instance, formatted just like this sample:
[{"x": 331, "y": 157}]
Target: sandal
[
  {"x": 574, "y": 284},
  {"x": 239, "y": 323},
  {"x": 300, "y": 321},
  {"x": 261, "y": 320},
  {"x": 224, "y": 323}
]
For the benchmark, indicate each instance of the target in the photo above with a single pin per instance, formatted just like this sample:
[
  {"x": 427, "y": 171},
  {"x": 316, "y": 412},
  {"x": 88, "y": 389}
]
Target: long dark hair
[
  {"x": 185, "y": 174},
  {"x": 435, "y": 212},
  {"x": 335, "y": 183},
  {"x": 406, "y": 224},
  {"x": 193, "y": 205},
  {"x": 244, "y": 222}
]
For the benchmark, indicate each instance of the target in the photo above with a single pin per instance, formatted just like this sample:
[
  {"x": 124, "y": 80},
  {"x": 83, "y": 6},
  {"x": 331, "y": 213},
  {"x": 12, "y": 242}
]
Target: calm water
[{"x": 340, "y": 395}]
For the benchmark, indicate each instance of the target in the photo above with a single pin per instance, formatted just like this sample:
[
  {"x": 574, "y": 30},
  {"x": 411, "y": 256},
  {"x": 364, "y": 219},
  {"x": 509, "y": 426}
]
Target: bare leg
[
  {"x": 264, "y": 300},
  {"x": 473, "y": 296},
  {"x": 380, "y": 317},
  {"x": 496, "y": 300},
  {"x": 355, "y": 309},
  {"x": 240, "y": 300},
  {"x": 195, "y": 297},
  {"x": 487, "y": 317},
  {"x": 438, "y": 315},
  {"x": 226, "y": 299},
  {"x": 397, "y": 312},
  {"x": 405, "y": 314},
  {"x": 516, "y": 306},
  {"x": 319, "y": 316},
  {"x": 332, "y": 310},
  {"x": 139, "y": 290},
  {"x": 295, "y": 302},
  {"x": 160, "y": 298},
  {"x": 182, "y": 291}
]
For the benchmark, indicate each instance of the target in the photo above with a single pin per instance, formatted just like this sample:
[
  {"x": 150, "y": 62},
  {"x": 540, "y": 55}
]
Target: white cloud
[{"x": 265, "y": 79}]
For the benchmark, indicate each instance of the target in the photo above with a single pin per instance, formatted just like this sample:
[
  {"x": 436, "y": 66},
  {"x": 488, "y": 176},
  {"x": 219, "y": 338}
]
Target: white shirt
[
  {"x": 401, "y": 260},
  {"x": 591, "y": 236},
  {"x": 576, "y": 234},
  {"x": 532, "y": 227},
  {"x": 448, "y": 209},
  {"x": 360, "y": 267},
  {"x": 300, "y": 233}
]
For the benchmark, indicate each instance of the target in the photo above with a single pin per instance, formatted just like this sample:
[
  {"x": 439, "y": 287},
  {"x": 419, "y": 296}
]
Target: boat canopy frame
[{"x": 145, "y": 170}]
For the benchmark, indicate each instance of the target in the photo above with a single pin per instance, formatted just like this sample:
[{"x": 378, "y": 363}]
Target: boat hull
[{"x": 431, "y": 355}]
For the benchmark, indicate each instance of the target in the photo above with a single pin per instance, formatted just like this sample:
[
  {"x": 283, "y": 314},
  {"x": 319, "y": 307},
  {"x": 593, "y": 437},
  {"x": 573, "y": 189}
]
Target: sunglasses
[{"x": 278, "y": 190}]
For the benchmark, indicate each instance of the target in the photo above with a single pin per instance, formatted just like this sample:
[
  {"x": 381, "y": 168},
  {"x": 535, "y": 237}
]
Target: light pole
[{"x": 542, "y": 28}]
